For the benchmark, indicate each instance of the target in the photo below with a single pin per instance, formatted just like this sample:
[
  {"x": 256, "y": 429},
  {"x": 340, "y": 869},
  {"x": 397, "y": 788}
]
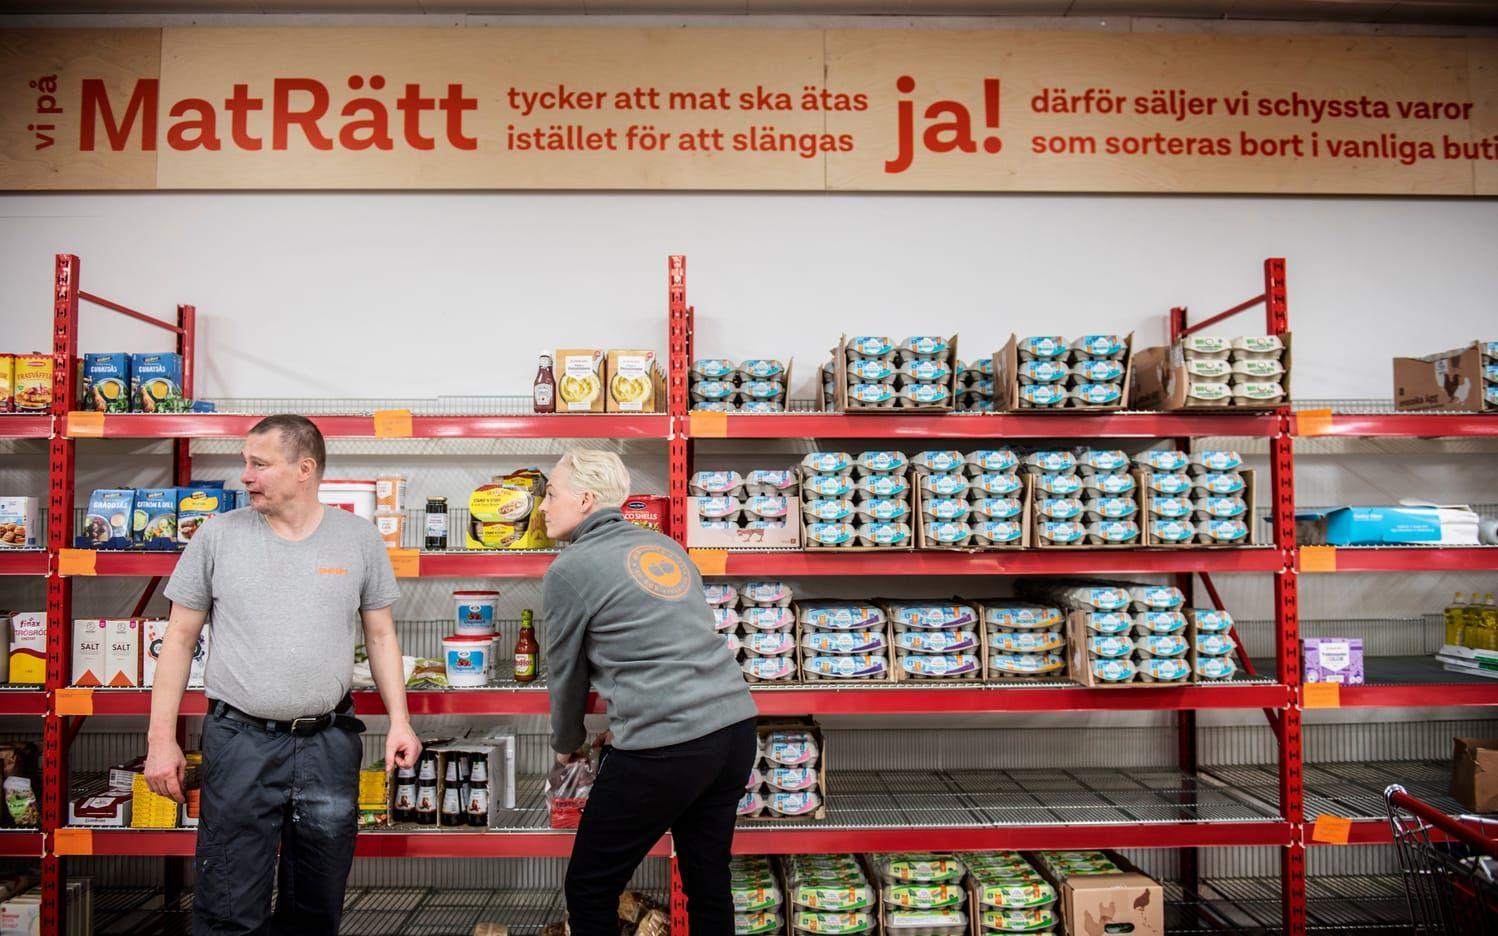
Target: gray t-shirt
[{"x": 284, "y": 612}]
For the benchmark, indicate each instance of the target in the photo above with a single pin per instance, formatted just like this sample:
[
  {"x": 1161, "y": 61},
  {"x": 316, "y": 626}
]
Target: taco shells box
[
  {"x": 580, "y": 376},
  {"x": 636, "y": 382}
]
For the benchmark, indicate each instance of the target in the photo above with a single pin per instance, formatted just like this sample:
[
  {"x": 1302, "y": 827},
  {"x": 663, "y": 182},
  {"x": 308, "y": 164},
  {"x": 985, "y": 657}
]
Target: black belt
[{"x": 342, "y": 716}]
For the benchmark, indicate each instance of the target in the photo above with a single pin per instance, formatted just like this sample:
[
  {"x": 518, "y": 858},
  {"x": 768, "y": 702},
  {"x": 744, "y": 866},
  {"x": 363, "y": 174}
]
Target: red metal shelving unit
[
  {"x": 1311, "y": 423},
  {"x": 972, "y": 426},
  {"x": 25, "y": 426},
  {"x": 23, "y": 562},
  {"x": 1321, "y": 559},
  {"x": 230, "y": 426},
  {"x": 20, "y": 843},
  {"x": 1012, "y": 562}
]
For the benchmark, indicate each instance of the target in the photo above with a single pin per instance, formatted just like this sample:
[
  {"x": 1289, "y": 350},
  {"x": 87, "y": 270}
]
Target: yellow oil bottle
[
  {"x": 1478, "y": 632},
  {"x": 1455, "y": 625}
]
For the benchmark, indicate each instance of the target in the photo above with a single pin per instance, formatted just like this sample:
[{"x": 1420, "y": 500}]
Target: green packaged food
[
  {"x": 841, "y": 897},
  {"x": 752, "y": 924},
  {"x": 1019, "y": 921},
  {"x": 924, "y": 896},
  {"x": 826, "y": 876},
  {"x": 839, "y": 924},
  {"x": 923, "y": 868},
  {"x": 926, "y": 922},
  {"x": 752, "y": 898},
  {"x": 1017, "y": 894}
]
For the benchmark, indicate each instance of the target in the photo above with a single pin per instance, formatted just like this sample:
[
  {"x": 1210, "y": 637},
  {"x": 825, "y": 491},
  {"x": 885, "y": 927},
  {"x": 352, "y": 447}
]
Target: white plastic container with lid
[
  {"x": 473, "y": 612},
  {"x": 469, "y": 659},
  {"x": 357, "y": 497}
]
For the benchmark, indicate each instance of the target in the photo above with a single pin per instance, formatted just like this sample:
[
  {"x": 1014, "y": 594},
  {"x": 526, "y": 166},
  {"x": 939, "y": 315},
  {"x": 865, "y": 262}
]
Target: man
[
  {"x": 284, "y": 581},
  {"x": 624, "y": 612}
]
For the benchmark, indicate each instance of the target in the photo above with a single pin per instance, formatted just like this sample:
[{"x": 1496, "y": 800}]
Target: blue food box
[
  {"x": 195, "y": 505},
  {"x": 109, "y": 521},
  {"x": 1384, "y": 525},
  {"x": 156, "y": 383},
  {"x": 155, "y": 524},
  {"x": 106, "y": 383}
]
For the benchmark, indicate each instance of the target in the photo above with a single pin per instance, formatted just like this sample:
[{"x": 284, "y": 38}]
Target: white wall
[{"x": 404, "y": 294}]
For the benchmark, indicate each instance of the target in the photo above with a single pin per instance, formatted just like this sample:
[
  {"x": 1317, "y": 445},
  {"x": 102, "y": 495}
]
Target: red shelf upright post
[{"x": 679, "y": 446}]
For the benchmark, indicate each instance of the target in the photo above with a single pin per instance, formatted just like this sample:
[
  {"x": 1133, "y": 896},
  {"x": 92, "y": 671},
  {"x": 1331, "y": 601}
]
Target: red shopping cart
[{"x": 1450, "y": 867}]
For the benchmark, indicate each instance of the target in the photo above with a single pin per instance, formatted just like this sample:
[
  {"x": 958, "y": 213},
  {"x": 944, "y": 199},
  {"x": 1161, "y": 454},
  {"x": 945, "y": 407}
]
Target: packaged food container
[
  {"x": 468, "y": 659},
  {"x": 1113, "y": 670},
  {"x": 768, "y": 669},
  {"x": 1162, "y": 669},
  {"x": 763, "y": 483},
  {"x": 767, "y": 507},
  {"x": 1026, "y": 664},
  {"x": 872, "y": 394},
  {"x": 1098, "y": 597},
  {"x": 982, "y": 367},
  {"x": 881, "y": 533},
  {"x": 1208, "y": 393},
  {"x": 757, "y": 924},
  {"x": 938, "y": 666},
  {"x": 998, "y": 532},
  {"x": 1219, "y": 483},
  {"x": 1098, "y": 346},
  {"x": 829, "y": 511},
  {"x": 1209, "y": 621},
  {"x": 1110, "y": 647},
  {"x": 1098, "y": 371},
  {"x": 1096, "y": 394},
  {"x": 1061, "y": 532},
  {"x": 882, "y": 485},
  {"x": 833, "y": 924},
  {"x": 1005, "y": 485},
  {"x": 719, "y": 596},
  {"x": 1161, "y": 645},
  {"x": 882, "y": 462},
  {"x": 1218, "y": 667},
  {"x": 1014, "y": 894},
  {"x": 1157, "y": 597},
  {"x": 1170, "y": 507},
  {"x": 946, "y": 508},
  {"x": 1258, "y": 369},
  {"x": 838, "y": 643},
  {"x": 719, "y": 508},
  {"x": 1112, "y": 484},
  {"x": 852, "y": 666},
  {"x": 870, "y": 346},
  {"x": 769, "y": 643},
  {"x": 991, "y": 461},
  {"x": 1024, "y": 615},
  {"x": 924, "y": 346},
  {"x": 1220, "y": 508},
  {"x": 1222, "y": 531},
  {"x": 1172, "y": 531},
  {"x": 1111, "y": 508},
  {"x": 1051, "y": 462},
  {"x": 1159, "y": 622},
  {"x": 1059, "y": 508},
  {"x": 1257, "y": 344},
  {"x": 725, "y": 619},
  {"x": 949, "y": 533},
  {"x": 762, "y": 369},
  {"x": 767, "y": 619},
  {"x": 932, "y": 616},
  {"x": 884, "y": 509},
  {"x": 790, "y": 748},
  {"x": 791, "y": 779},
  {"x": 715, "y": 391},
  {"x": 1026, "y": 641},
  {"x": 712, "y": 406},
  {"x": 1112, "y": 532},
  {"x": 941, "y": 461},
  {"x": 1042, "y": 395},
  {"x": 947, "y": 485},
  {"x": 924, "y": 896},
  {"x": 842, "y": 616},
  {"x": 1041, "y": 346},
  {"x": 1168, "y": 461},
  {"x": 1257, "y": 393},
  {"x": 828, "y": 486},
  {"x": 1057, "y": 485},
  {"x": 1044, "y": 371},
  {"x": 1177, "y": 483},
  {"x": 1210, "y": 370},
  {"x": 751, "y": 804},
  {"x": 473, "y": 612},
  {"x": 1206, "y": 347},
  {"x": 938, "y": 641},
  {"x": 762, "y": 389},
  {"x": 1020, "y": 921},
  {"x": 992, "y": 508},
  {"x": 1214, "y": 644},
  {"x": 925, "y": 370},
  {"x": 765, "y": 594},
  {"x": 827, "y": 462},
  {"x": 870, "y": 370},
  {"x": 713, "y": 369},
  {"x": 830, "y": 534}
]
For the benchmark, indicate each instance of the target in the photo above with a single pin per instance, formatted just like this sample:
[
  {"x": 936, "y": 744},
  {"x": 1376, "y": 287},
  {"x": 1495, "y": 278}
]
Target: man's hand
[
  {"x": 165, "y": 767},
  {"x": 402, "y": 747},
  {"x": 602, "y": 741}
]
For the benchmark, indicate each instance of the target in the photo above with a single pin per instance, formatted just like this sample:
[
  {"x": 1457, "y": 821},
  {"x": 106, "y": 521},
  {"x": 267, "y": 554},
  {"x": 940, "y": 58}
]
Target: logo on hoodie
[{"x": 658, "y": 572}]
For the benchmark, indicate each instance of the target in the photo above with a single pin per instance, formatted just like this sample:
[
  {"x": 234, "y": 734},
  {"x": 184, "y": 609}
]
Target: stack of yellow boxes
[{"x": 374, "y": 796}]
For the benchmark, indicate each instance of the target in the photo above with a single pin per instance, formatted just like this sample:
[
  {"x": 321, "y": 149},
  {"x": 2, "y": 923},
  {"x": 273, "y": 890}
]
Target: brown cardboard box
[
  {"x": 1250, "y": 516},
  {"x": 1027, "y": 536},
  {"x": 1006, "y": 383},
  {"x": 787, "y": 537},
  {"x": 636, "y": 382},
  {"x": 1078, "y": 661},
  {"x": 768, "y": 726},
  {"x": 1159, "y": 381},
  {"x": 582, "y": 380},
  {"x": 1131, "y": 902},
  {"x": 1474, "y": 774},
  {"x": 1450, "y": 382},
  {"x": 842, "y": 404}
]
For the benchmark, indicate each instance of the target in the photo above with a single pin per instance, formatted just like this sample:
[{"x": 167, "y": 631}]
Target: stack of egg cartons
[
  {"x": 1110, "y": 504},
  {"x": 1168, "y": 505},
  {"x": 767, "y": 635},
  {"x": 1024, "y": 640},
  {"x": 843, "y": 640},
  {"x": 1110, "y": 640},
  {"x": 915, "y": 373},
  {"x": 923, "y": 894},
  {"x": 830, "y": 894},
  {"x": 935, "y": 641},
  {"x": 1062, "y": 865},
  {"x": 827, "y": 492},
  {"x": 974, "y": 499},
  {"x": 863, "y": 501},
  {"x": 723, "y": 599},
  {"x": 756, "y": 894},
  {"x": 1161, "y": 634},
  {"x": 975, "y": 386},
  {"x": 786, "y": 780},
  {"x": 1490, "y": 373},
  {"x": 1246, "y": 371},
  {"x": 1043, "y": 372},
  {"x": 1214, "y": 644},
  {"x": 1219, "y": 498},
  {"x": 754, "y": 386},
  {"x": 728, "y": 501},
  {"x": 871, "y": 373},
  {"x": 1088, "y": 373},
  {"x": 1058, "y": 492},
  {"x": 1011, "y": 895}
]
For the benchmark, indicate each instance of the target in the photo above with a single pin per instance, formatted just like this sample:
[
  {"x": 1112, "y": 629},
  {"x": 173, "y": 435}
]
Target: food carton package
[
  {"x": 33, "y": 383},
  {"x": 1457, "y": 381},
  {"x": 20, "y": 523},
  {"x": 1419, "y": 524},
  {"x": 106, "y": 383},
  {"x": 109, "y": 522},
  {"x": 122, "y": 653},
  {"x": 28, "y": 648},
  {"x": 89, "y": 668},
  {"x": 581, "y": 375},
  {"x": 636, "y": 383},
  {"x": 196, "y": 505},
  {"x": 154, "y": 520},
  {"x": 156, "y": 383},
  {"x": 1332, "y": 660},
  {"x": 153, "y": 633}
]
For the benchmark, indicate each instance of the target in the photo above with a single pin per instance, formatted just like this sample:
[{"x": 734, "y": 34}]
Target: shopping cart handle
[{"x": 1461, "y": 832}]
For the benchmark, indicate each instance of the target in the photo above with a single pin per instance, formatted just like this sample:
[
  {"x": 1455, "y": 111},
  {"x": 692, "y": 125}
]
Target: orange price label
[
  {"x": 710, "y": 561},
  {"x": 1313, "y": 422},
  {"x": 392, "y": 424},
  {"x": 73, "y": 841},
  {"x": 75, "y": 701},
  {"x": 1332, "y": 830},
  {"x": 1318, "y": 558},
  {"x": 85, "y": 425},
  {"x": 1321, "y": 695},
  {"x": 707, "y": 425},
  {"x": 76, "y": 562},
  {"x": 405, "y": 562}
]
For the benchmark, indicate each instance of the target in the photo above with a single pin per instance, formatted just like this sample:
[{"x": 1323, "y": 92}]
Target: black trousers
[
  {"x": 692, "y": 789},
  {"x": 263, "y": 790}
]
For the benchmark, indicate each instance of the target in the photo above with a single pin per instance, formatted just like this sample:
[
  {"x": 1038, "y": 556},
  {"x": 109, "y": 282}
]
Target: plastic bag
[{"x": 567, "y": 789}]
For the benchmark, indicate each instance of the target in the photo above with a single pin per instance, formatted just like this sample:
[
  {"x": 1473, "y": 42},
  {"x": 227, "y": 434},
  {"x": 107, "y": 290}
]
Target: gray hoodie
[{"x": 623, "y": 610}]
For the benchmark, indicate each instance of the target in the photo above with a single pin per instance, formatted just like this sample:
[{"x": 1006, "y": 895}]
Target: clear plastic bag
[{"x": 567, "y": 789}]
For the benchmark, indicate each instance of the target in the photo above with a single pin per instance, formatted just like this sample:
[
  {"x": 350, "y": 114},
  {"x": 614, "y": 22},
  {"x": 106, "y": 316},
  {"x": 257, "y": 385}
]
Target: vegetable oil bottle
[
  {"x": 1475, "y": 633},
  {"x": 1455, "y": 625},
  {"x": 1490, "y": 616}
]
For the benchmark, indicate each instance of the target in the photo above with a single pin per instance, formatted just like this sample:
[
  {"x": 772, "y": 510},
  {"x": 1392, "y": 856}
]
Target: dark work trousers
[
  {"x": 693, "y": 789},
  {"x": 263, "y": 790}
]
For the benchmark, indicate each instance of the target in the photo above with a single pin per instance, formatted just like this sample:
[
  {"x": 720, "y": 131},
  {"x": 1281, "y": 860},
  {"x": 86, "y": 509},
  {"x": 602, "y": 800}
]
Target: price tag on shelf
[
  {"x": 1318, "y": 558},
  {"x": 406, "y": 562},
  {"x": 1313, "y": 422},
  {"x": 74, "y": 701},
  {"x": 707, "y": 425},
  {"x": 1321, "y": 695},
  {"x": 83, "y": 425},
  {"x": 73, "y": 841},
  {"x": 76, "y": 562},
  {"x": 710, "y": 561},
  {"x": 392, "y": 424},
  {"x": 1331, "y": 830}
]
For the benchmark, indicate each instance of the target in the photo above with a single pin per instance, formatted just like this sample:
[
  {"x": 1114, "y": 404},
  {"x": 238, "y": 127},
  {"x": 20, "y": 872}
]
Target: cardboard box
[
  {"x": 651, "y": 511},
  {"x": 770, "y": 726},
  {"x": 842, "y": 404},
  {"x": 582, "y": 376},
  {"x": 22, "y": 913},
  {"x": 156, "y": 383},
  {"x": 1250, "y": 515},
  {"x": 153, "y": 632},
  {"x": 1006, "y": 398},
  {"x": 786, "y": 537},
  {"x": 89, "y": 666},
  {"x": 1448, "y": 382},
  {"x": 636, "y": 382},
  {"x": 33, "y": 382},
  {"x": 101, "y": 809},
  {"x": 922, "y": 542},
  {"x": 1159, "y": 380},
  {"x": 1079, "y": 660},
  {"x": 122, "y": 653},
  {"x": 28, "y": 648},
  {"x": 20, "y": 523},
  {"x": 1453, "y": 525},
  {"x": 1332, "y": 660},
  {"x": 1129, "y": 902},
  {"x": 1474, "y": 774},
  {"x": 498, "y": 752},
  {"x": 106, "y": 383}
]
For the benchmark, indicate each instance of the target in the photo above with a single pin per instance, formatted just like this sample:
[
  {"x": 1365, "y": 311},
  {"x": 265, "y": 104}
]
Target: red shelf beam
[
  {"x": 434, "y": 844},
  {"x": 1426, "y": 695},
  {"x": 1401, "y": 559},
  {"x": 1401, "y": 425},
  {"x": 23, "y": 562},
  {"x": 20, "y": 843},
  {"x": 1016, "y": 562},
  {"x": 814, "y": 840},
  {"x": 23, "y": 701},
  {"x": 955, "y": 426},
  {"x": 230, "y": 426},
  {"x": 25, "y": 427},
  {"x": 433, "y": 565}
]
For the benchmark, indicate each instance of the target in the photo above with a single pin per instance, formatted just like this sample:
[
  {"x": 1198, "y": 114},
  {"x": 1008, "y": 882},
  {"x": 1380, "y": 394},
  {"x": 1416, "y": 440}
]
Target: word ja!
[{"x": 950, "y": 125}]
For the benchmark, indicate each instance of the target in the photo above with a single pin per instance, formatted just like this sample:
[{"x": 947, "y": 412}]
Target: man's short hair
[
  {"x": 300, "y": 437},
  {"x": 598, "y": 471}
]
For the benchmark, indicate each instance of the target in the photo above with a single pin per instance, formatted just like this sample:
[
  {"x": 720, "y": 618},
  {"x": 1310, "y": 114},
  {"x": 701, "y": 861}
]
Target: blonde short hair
[{"x": 598, "y": 471}]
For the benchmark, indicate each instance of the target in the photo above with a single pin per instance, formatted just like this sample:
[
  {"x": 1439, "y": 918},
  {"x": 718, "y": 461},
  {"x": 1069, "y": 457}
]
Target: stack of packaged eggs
[
  {"x": 786, "y": 780},
  {"x": 1161, "y": 641},
  {"x": 923, "y": 894},
  {"x": 1219, "y": 498},
  {"x": 975, "y": 499},
  {"x": 975, "y": 386},
  {"x": 935, "y": 641},
  {"x": 758, "y": 625},
  {"x": 1062, "y": 865},
  {"x": 830, "y": 894},
  {"x": 1011, "y": 895},
  {"x": 1110, "y": 639},
  {"x": 1246, "y": 371},
  {"x": 753, "y": 386},
  {"x": 1089, "y": 372},
  {"x": 757, "y": 898},
  {"x": 727, "y": 500},
  {"x": 1490, "y": 373},
  {"x": 1214, "y": 644},
  {"x": 1024, "y": 640},
  {"x": 1110, "y": 501},
  {"x": 1168, "y": 507},
  {"x": 862, "y": 501},
  {"x": 843, "y": 640},
  {"x": 1058, "y": 493},
  {"x": 916, "y": 373}
]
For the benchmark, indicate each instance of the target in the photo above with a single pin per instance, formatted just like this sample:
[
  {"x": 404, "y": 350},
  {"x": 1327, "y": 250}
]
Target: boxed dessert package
[
  {"x": 1332, "y": 660},
  {"x": 581, "y": 374}
]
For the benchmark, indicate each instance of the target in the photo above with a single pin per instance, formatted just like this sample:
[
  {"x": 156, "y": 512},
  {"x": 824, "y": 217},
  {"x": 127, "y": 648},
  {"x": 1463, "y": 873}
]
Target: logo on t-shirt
[
  {"x": 658, "y": 572},
  {"x": 331, "y": 570}
]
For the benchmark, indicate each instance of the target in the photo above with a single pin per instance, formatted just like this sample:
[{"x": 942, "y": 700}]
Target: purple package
[{"x": 1332, "y": 660}]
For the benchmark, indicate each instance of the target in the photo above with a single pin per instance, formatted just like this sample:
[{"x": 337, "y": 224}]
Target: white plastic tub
[
  {"x": 473, "y": 612},
  {"x": 469, "y": 659},
  {"x": 357, "y": 497}
]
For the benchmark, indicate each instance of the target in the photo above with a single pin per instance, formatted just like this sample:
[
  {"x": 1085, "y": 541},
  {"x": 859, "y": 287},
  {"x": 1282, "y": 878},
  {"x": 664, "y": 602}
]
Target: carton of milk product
[
  {"x": 88, "y": 652},
  {"x": 122, "y": 653},
  {"x": 28, "y": 647},
  {"x": 153, "y": 634}
]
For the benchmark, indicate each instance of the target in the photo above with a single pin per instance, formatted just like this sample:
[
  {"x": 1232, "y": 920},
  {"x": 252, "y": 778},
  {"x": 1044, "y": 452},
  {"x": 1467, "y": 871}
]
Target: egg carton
[
  {"x": 1208, "y": 371},
  {"x": 1089, "y": 374},
  {"x": 798, "y": 744},
  {"x": 871, "y": 511},
  {"x": 1214, "y": 510},
  {"x": 870, "y": 374},
  {"x": 972, "y": 533}
]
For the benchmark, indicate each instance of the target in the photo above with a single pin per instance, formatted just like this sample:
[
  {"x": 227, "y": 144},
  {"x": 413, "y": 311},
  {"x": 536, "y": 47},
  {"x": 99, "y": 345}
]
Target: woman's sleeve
[{"x": 565, "y": 621}]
